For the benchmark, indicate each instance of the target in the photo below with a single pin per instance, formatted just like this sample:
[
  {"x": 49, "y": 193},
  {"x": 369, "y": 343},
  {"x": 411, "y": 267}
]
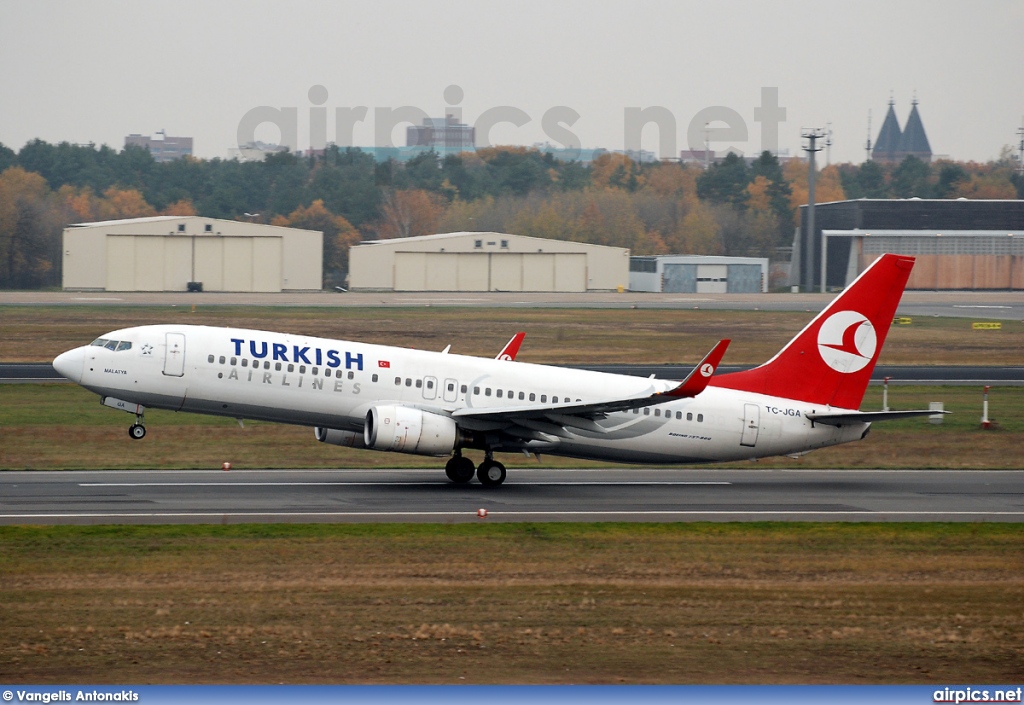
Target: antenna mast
[
  {"x": 867, "y": 145},
  {"x": 1020, "y": 149}
]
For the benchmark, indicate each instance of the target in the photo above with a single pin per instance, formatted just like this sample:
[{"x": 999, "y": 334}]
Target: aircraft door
[
  {"x": 451, "y": 390},
  {"x": 751, "y": 424},
  {"x": 174, "y": 355},
  {"x": 430, "y": 387}
]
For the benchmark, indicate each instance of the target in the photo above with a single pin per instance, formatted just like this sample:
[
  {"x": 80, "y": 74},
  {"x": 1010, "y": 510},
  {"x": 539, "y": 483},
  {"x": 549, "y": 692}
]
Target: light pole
[{"x": 812, "y": 135}]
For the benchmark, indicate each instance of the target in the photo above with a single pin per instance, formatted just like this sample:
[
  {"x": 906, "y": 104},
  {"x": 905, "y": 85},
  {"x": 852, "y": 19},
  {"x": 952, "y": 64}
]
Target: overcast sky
[{"x": 97, "y": 71}]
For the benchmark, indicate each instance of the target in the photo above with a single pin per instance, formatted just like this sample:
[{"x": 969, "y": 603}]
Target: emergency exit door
[
  {"x": 751, "y": 424},
  {"x": 174, "y": 355}
]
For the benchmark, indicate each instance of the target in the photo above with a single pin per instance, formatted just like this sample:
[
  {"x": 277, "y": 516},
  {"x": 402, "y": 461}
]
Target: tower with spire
[{"x": 894, "y": 144}]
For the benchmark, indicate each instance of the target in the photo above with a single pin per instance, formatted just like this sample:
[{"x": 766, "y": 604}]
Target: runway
[
  {"x": 629, "y": 495},
  {"x": 977, "y": 305}
]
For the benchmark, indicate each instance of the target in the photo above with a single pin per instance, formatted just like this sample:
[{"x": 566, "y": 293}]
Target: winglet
[
  {"x": 699, "y": 377},
  {"x": 511, "y": 348}
]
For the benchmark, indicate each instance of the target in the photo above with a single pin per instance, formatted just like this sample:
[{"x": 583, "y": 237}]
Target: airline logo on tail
[{"x": 847, "y": 341}]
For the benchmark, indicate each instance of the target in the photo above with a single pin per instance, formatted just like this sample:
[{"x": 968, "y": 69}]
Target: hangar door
[
  {"x": 490, "y": 271},
  {"x": 169, "y": 263}
]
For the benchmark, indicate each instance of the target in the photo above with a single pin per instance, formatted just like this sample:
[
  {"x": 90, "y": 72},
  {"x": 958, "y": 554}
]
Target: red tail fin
[{"x": 831, "y": 360}]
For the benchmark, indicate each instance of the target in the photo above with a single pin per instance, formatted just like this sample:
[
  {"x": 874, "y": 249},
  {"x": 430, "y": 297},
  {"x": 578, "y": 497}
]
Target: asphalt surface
[
  {"x": 631, "y": 495},
  {"x": 976, "y": 305},
  {"x": 899, "y": 374}
]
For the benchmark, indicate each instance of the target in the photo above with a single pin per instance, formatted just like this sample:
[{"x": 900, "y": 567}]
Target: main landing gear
[
  {"x": 460, "y": 470},
  {"x": 137, "y": 431}
]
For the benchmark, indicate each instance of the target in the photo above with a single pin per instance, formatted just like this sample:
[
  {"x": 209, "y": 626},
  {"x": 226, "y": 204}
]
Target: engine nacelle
[
  {"x": 405, "y": 430},
  {"x": 339, "y": 438}
]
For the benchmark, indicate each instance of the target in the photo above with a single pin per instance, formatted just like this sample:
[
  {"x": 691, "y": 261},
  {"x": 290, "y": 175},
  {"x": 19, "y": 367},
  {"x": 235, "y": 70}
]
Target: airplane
[{"x": 439, "y": 404}]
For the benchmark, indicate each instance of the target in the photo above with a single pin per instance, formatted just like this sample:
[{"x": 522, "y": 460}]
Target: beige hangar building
[
  {"x": 474, "y": 261},
  {"x": 168, "y": 253}
]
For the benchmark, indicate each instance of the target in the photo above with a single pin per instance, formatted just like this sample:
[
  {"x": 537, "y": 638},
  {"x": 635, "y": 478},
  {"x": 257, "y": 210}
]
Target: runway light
[
  {"x": 482, "y": 513},
  {"x": 225, "y": 466}
]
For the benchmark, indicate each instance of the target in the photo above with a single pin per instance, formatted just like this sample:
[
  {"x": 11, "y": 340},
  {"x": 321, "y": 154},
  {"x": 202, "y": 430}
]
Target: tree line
[{"x": 733, "y": 208}]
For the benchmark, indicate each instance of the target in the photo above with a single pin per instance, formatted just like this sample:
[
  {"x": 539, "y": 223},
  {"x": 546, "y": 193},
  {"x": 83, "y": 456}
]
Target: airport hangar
[
  {"x": 485, "y": 261},
  {"x": 959, "y": 244},
  {"x": 188, "y": 253},
  {"x": 698, "y": 274}
]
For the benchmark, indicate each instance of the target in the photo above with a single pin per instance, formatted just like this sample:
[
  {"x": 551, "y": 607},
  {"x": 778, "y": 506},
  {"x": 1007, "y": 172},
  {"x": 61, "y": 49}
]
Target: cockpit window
[
  {"x": 124, "y": 345},
  {"x": 115, "y": 345},
  {"x": 99, "y": 342},
  {"x": 111, "y": 345}
]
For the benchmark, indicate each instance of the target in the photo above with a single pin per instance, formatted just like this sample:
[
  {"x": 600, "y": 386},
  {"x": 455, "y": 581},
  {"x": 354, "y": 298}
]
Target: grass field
[
  {"x": 62, "y": 426},
  {"x": 505, "y": 603},
  {"x": 526, "y": 603},
  {"x": 554, "y": 336}
]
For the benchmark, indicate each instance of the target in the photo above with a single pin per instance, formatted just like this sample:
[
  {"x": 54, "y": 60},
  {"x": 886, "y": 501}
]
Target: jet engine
[
  {"x": 405, "y": 430},
  {"x": 339, "y": 438}
]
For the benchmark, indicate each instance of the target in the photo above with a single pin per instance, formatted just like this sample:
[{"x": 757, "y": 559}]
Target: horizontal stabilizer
[{"x": 845, "y": 417}]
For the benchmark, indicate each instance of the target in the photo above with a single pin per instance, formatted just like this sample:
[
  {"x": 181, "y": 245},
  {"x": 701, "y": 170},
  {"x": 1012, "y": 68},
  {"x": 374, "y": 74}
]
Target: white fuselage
[{"x": 308, "y": 381}]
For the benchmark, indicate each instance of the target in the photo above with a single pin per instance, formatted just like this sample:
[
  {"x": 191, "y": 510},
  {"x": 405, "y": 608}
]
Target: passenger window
[
  {"x": 647, "y": 411},
  {"x": 398, "y": 381},
  {"x": 554, "y": 400},
  {"x": 277, "y": 366},
  {"x": 221, "y": 360},
  {"x": 209, "y": 358},
  {"x": 487, "y": 392},
  {"x": 464, "y": 388},
  {"x": 476, "y": 390},
  {"x": 266, "y": 364},
  {"x": 315, "y": 371},
  {"x": 291, "y": 367},
  {"x": 657, "y": 412},
  {"x": 302, "y": 369},
  {"x": 689, "y": 416},
  {"x": 533, "y": 397},
  {"x": 419, "y": 384},
  {"x": 636, "y": 411},
  {"x": 451, "y": 387},
  {"x": 408, "y": 381},
  {"x": 700, "y": 418},
  {"x": 234, "y": 361},
  {"x": 511, "y": 394},
  {"x": 374, "y": 378},
  {"x": 245, "y": 362},
  {"x": 124, "y": 345},
  {"x": 498, "y": 394},
  {"x": 679, "y": 415},
  {"x": 521, "y": 396},
  {"x": 543, "y": 398}
]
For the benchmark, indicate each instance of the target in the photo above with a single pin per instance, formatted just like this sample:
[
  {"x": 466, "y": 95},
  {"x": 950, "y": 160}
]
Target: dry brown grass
[
  {"x": 555, "y": 336},
  {"x": 514, "y": 603}
]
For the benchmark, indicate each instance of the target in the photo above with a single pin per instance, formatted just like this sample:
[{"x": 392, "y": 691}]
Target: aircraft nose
[{"x": 70, "y": 364}]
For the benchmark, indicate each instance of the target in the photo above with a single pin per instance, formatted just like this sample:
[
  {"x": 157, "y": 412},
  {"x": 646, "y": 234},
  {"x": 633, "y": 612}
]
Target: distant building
[
  {"x": 959, "y": 244},
  {"x": 162, "y": 147},
  {"x": 183, "y": 253},
  {"x": 254, "y": 151},
  {"x": 445, "y": 135},
  {"x": 894, "y": 145},
  {"x": 486, "y": 261},
  {"x": 698, "y": 274}
]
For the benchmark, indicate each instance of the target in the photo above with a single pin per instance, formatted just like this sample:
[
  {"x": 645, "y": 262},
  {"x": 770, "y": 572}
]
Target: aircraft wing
[
  {"x": 694, "y": 384},
  {"x": 838, "y": 418}
]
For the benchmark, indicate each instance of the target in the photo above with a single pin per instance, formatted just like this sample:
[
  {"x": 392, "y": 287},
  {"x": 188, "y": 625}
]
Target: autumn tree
[
  {"x": 409, "y": 214},
  {"x": 339, "y": 236},
  {"x": 29, "y": 234}
]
